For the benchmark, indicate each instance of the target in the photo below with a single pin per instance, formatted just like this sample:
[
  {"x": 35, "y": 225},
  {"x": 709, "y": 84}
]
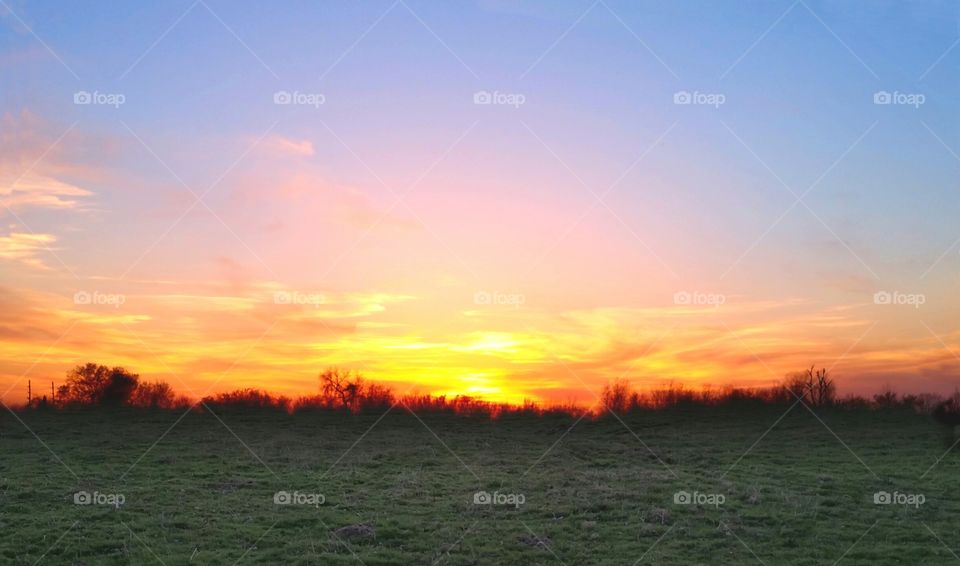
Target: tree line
[{"x": 95, "y": 385}]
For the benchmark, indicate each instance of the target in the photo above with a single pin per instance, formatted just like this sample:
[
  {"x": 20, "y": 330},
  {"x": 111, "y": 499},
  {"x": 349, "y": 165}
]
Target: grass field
[{"x": 204, "y": 491}]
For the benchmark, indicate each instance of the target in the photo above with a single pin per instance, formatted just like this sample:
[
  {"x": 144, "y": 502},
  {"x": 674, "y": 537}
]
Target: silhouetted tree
[
  {"x": 156, "y": 395},
  {"x": 886, "y": 398},
  {"x": 947, "y": 413},
  {"x": 812, "y": 386},
  {"x": 247, "y": 399},
  {"x": 616, "y": 395},
  {"x": 92, "y": 384},
  {"x": 341, "y": 388}
]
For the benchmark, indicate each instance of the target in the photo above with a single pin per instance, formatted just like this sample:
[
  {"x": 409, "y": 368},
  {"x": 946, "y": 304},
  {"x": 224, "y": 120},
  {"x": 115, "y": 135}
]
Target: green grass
[{"x": 202, "y": 495}]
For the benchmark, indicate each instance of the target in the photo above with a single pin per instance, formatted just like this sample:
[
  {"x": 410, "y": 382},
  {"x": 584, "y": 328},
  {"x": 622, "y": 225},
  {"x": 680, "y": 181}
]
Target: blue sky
[{"x": 503, "y": 197}]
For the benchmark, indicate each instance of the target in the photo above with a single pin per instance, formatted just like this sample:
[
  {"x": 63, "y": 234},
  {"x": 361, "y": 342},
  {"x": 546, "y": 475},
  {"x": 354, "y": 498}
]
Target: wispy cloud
[
  {"x": 26, "y": 248},
  {"x": 288, "y": 146}
]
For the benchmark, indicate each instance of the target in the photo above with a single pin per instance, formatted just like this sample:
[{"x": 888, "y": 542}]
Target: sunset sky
[{"x": 492, "y": 197}]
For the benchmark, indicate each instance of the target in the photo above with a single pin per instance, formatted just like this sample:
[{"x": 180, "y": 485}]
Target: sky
[{"x": 511, "y": 200}]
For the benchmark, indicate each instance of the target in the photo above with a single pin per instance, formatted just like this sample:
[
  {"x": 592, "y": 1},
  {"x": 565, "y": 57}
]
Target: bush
[{"x": 93, "y": 384}]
